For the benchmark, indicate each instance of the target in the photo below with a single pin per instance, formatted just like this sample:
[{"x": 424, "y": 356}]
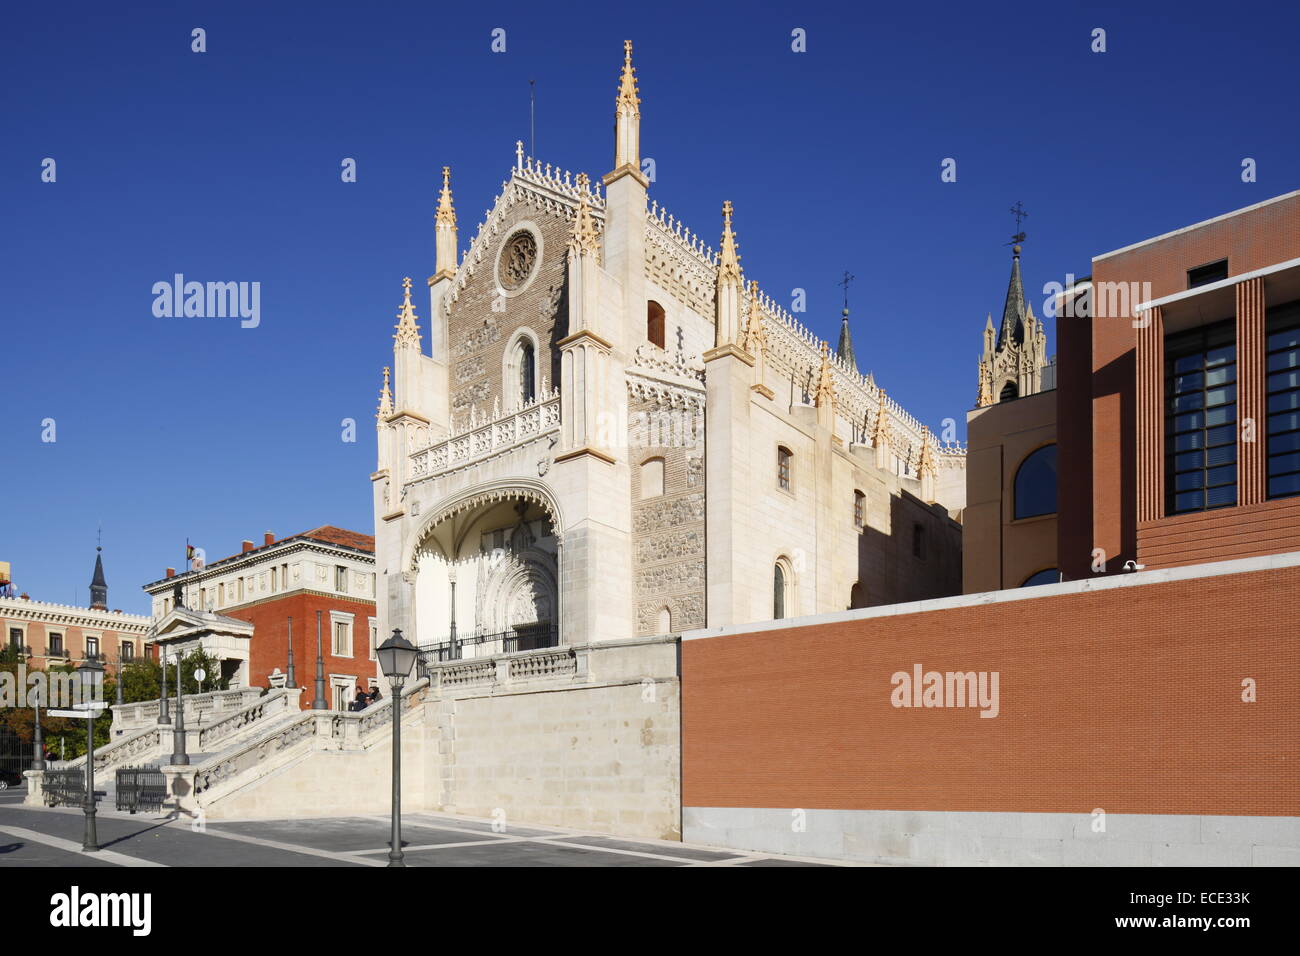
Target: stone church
[{"x": 606, "y": 430}]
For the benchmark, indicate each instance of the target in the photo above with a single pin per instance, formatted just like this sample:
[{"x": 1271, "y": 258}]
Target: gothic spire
[
  {"x": 385, "y": 399},
  {"x": 825, "y": 382},
  {"x": 583, "y": 240},
  {"x": 627, "y": 112},
  {"x": 408, "y": 326},
  {"x": 98, "y": 586},
  {"x": 844, "y": 350},
  {"x": 728, "y": 258},
  {"x": 1013, "y": 312},
  {"x": 444, "y": 230}
]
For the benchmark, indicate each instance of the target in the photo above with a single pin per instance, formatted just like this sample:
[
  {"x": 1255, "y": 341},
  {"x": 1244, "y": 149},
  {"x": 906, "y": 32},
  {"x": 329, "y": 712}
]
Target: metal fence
[
  {"x": 525, "y": 638},
  {"x": 64, "y": 788},
  {"x": 140, "y": 788}
]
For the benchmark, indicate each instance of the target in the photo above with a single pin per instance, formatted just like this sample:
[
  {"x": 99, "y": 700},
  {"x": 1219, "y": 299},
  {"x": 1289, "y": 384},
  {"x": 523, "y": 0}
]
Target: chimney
[
  {"x": 171, "y": 572},
  {"x": 268, "y": 539},
  {"x": 248, "y": 546}
]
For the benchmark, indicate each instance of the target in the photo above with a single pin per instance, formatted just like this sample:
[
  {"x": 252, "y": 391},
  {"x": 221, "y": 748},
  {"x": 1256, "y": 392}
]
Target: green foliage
[{"x": 141, "y": 680}]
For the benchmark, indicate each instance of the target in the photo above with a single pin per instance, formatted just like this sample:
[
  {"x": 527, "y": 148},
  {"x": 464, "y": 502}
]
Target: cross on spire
[
  {"x": 845, "y": 283},
  {"x": 1018, "y": 210}
]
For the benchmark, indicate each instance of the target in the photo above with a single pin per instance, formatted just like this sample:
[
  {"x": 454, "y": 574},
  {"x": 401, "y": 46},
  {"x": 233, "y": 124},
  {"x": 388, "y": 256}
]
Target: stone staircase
[{"x": 214, "y": 724}]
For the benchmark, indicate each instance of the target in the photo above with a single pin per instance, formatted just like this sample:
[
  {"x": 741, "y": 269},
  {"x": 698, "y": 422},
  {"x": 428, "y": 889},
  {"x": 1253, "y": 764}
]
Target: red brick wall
[
  {"x": 1127, "y": 699},
  {"x": 270, "y": 645}
]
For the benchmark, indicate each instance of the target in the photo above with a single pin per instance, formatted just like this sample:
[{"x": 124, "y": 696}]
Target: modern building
[
  {"x": 1176, "y": 413},
  {"x": 611, "y": 432},
  {"x": 243, "y": 609},
  {"x": 60, "y": 634}
]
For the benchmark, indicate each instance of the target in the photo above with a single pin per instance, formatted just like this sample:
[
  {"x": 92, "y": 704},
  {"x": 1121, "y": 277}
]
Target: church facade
[{"x": 605, "y": 430}]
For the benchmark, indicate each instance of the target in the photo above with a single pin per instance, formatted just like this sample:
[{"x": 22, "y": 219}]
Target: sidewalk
[{"x": 34, "y": 836}]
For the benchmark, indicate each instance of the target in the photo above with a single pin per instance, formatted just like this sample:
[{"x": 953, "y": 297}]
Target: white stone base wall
[
  {"x": 931, "y": 838},
  {"x": 600, "y": 752}
]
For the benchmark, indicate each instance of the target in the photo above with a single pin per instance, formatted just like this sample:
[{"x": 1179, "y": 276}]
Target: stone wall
[{"x": 598, "y": 749}]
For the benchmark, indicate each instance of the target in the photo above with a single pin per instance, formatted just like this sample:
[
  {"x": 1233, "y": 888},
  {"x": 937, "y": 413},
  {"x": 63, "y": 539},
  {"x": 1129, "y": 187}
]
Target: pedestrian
[{"x": 361, "y": 700}]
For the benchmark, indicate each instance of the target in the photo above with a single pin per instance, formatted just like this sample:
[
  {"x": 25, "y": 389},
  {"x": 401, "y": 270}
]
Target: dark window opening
[
  {"x": 1035, "y": 486},
  {"x": 859, "y": 509},
  {"x": 778, "y": 593},
  {"x": 918, "y": 541},
  {"x": 783, "y": 468},
  {"x": 1201, "y": 419},
  {"x": 1048, "y": 576},
  {"x": 1009, "y": 391},
  {"x": 654, "y": 323},
  {"x": 1282, "y": 367},
  {"x": 527, "y": 377},
  {"x": 1204, "y": 275}
]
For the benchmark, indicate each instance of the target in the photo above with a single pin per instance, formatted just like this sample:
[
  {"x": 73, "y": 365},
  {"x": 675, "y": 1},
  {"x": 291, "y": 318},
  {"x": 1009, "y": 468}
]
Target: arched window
[
  {"x": 778, "y": 592},
  {"x": 859, "y": 509},
  {"x": 519, "y": 372},
  {"x": 857, "y": 596},
  {"x": 654, "y": 323},
  {"x": 1047, "y": 576},
  {"x": 665, "y": 621},
  {"x": 652, "y": 478},
  {"x": 1009, "y": 391},
  {"x": 783, "y": 457},
  {"x": 527, "y": 372},
  {"x": 1035, "y": 487}
]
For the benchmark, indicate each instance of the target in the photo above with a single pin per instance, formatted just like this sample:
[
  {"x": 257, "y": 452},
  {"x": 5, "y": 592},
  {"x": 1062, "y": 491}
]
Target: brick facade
[{"x": 1127, "y": 698}]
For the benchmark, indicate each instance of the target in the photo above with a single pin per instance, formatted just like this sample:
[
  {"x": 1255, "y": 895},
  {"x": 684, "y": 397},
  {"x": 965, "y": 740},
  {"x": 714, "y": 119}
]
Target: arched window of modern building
[
  {"x": 652, "y": 478},
  {"x": 1046, "y": 576},
  {"x": 783, "y": 457},
  {"x": 859, "y": 509},
  {"x": 1035, "y": 487},
  {"x": 654, "y": 323},
  {"x": 857, "y": 596},
  {"x": 1009, "y": 391}
]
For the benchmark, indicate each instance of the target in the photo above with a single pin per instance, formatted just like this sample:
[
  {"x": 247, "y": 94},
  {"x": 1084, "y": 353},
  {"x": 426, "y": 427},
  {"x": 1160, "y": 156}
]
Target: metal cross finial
[
  {"x": 1018, "y": 210},
  {"x": 845, "y": 283}
]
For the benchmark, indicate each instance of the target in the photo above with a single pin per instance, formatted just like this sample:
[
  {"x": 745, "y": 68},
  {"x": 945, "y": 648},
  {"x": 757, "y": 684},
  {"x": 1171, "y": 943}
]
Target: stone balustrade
[
  {"x": 493, "y": 438},
  {"x": 499, "y": 670},
  {"x": 198, "y": 707}
]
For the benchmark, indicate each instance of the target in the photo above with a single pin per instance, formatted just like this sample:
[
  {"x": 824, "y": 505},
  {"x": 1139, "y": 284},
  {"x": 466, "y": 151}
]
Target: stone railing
[
  {"x": 314, "y": 730},
  {"x": 509, "y": 431},
  {"x": 551, "y": 663},
  {"x": 198, "y": 707},
  {"x": 143, "y": 745},
  {"x": 275, "y": 704}
]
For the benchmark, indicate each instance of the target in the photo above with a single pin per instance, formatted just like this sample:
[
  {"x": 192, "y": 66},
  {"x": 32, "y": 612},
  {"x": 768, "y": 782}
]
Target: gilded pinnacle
[
  {"x": 584, "y": 238},
  {"x": 627, "y": 91},
  {"x": 729, "y": 259},
  {"x": 446, "y": 212},
  {"x": 408, "y": 327}
]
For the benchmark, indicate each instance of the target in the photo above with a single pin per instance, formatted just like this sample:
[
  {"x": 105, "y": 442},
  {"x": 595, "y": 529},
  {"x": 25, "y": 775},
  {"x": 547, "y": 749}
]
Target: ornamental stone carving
[{"x": 518, "y": 259}]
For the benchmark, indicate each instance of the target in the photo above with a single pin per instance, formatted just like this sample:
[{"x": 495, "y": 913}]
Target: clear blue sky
[{"x": 225, "y": 166}]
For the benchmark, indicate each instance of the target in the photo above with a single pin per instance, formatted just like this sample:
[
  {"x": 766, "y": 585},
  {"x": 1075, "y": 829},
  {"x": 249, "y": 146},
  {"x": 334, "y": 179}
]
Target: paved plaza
[{"x": 37, "y": 836}]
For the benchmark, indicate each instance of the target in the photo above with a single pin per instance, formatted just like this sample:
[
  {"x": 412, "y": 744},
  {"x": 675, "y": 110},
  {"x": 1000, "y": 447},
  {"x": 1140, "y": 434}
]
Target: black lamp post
[
  {"x": 179, "y": 756},
  {"x": 38, "y": 742},
  {"x": 92, "y": 675},
  {"x": 396, "y": 658},
  {"x": 163, "y": 716}
]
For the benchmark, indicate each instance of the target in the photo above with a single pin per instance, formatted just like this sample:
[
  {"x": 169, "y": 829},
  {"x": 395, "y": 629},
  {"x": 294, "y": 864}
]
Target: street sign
[
  {"x": 200, "y": 674},
  {"x": 91, "y": 705},
  {"x": 73, "y": 713}
]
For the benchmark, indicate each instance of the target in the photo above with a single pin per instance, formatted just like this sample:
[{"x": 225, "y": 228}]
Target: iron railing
[
  {"x": 528, "y": 637},
  {"x": 64, "y": 788},
  {"x": 140, "y": 788}
]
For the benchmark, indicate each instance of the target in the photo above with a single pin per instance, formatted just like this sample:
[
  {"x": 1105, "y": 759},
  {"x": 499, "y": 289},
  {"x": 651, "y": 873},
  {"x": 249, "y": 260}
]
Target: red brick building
[{"x": 323, "y": 579}]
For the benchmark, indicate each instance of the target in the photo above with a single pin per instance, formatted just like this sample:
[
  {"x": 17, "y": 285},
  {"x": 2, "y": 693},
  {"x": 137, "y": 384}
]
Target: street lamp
[
  {"x": 38, "y": 742},
  {"x": 396, "y": 658},
  {"x": 179, "y": 756},
  {"x": 163, "y": 716},
  {"x": 92, "y": 675}
]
